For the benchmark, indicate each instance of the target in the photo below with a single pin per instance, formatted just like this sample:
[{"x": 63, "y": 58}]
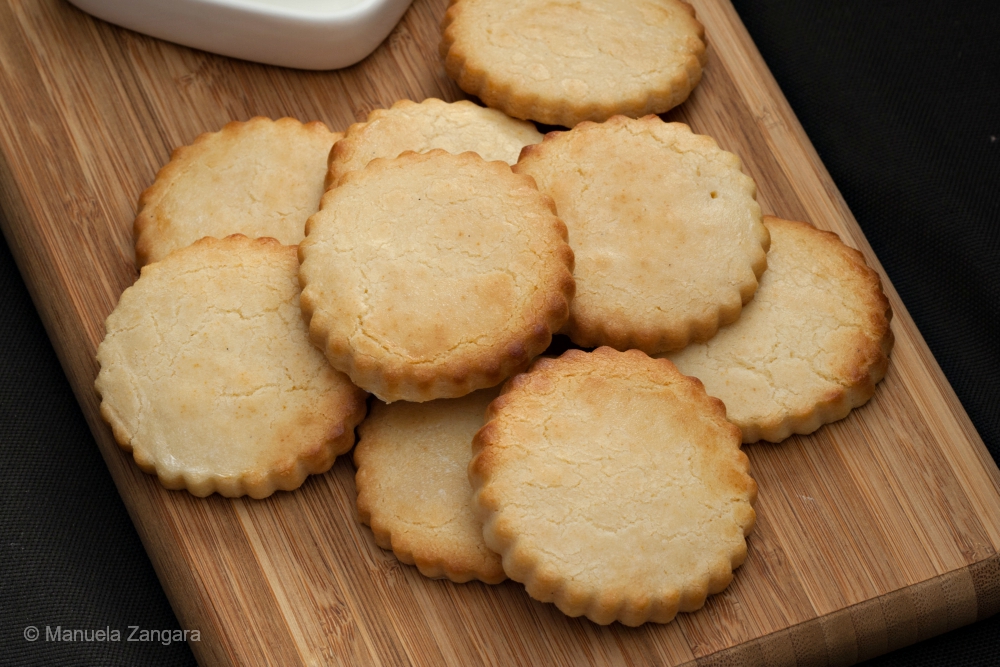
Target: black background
[{"x": 901, "y": 100}]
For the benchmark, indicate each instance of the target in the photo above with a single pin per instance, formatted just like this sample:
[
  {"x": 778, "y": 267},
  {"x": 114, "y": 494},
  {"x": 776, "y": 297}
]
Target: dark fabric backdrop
[{"x": 902, "y": 101}]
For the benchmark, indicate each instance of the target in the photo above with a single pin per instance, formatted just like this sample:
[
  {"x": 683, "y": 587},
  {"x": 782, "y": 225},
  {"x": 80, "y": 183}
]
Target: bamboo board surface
[{"x": 872, "y": 533}]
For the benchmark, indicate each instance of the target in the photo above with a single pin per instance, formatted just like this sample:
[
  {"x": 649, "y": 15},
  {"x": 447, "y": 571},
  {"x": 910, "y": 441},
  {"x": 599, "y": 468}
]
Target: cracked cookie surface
[
  {"x": 408, "y": 126},
  {"x": 561, "y": 62},
  {"x": 809, "y": 348},
  {"x": 432, "y": 275},
  {"x": 665, "y": 227},
  {"x": 208, "y": 376},
  {"x": 413, "y": 485},
  {"x": 258, "y": 178},
  {"x": 613, "y": 486}
]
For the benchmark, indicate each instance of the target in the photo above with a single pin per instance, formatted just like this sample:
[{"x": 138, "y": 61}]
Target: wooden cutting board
[{"x": 873, "y": 533}]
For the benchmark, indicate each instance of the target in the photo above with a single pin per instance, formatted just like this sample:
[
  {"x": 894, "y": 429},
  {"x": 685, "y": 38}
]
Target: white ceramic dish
[{"x": 307, "y": 34}]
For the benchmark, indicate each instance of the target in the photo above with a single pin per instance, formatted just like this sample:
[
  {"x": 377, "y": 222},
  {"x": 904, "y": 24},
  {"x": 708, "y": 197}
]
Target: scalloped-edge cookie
[
  {"x": 457, "y": 127},
  {"x": 208, "y": 376},
  {"x": 432, "y": 275},
  {"x": 613, "y": 486},
  {"x": 259, "y": 178},
  {"x": 809, "y": 348},
  {"x": 413, "y": 485},
  {"x": 561, "y": 63},
  {"x": 665, "y": 227}
]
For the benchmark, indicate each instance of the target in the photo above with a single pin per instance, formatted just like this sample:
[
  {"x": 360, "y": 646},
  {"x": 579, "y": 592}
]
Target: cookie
[
  {"x": 809, "y": 348},
  {"x": 613, "y": 486},
  {"x": 432, "y": 275},
  {"x": 457, "y": 127},
  {"x": 561, "y": 63},
  {"x": 665, "y": 227},
  {"x": 209, "y": 379},
  {"x": 413, "y": 485},
  {"x": 259, "y": 178}
]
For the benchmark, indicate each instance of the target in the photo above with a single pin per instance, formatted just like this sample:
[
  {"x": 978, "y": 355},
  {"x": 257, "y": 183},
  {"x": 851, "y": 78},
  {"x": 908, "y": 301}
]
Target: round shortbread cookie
[
  {"x": 811, "y": 345},
  {"x": 413, "y": 485},
  {"x": 407, "y": 126},
  {"x": 208, "y": 376},
  {"x": 259, "y": 178},
  {"x": 432, "y": 275},
  {"x": 665, "y": 227},
  {"x": 613, "y": 486},
  {"x": 560, "y": 62}
]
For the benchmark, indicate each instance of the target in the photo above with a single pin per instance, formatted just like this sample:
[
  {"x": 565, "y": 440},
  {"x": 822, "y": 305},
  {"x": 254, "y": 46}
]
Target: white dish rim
[
  {"x": 360, "y": 8},
  {"x": 299, "y": 38}
]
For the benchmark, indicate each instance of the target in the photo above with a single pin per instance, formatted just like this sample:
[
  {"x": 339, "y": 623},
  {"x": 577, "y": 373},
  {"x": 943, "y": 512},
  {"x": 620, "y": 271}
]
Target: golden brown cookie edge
[
  {"x": 594, "y": 329},
  {"x": 145, "y": 223},
  {"x": 474, "y": 79},
  {"x": 548, "y": 311},
  {"x": 430, "y": 562},
  {"x": 868, "y": 365},
  {"x": 315, "y": 460},
  {"x": 522, "y": 566}
]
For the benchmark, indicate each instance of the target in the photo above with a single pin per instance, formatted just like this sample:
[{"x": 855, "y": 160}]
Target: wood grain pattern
[{"x": 873, "y": 533}]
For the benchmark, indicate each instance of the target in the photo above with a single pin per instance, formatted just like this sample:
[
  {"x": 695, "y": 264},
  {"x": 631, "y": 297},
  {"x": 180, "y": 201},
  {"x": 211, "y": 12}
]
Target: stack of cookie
[
  {"x": 429, "y": 275},
  {"x": 439, "y": 248}
]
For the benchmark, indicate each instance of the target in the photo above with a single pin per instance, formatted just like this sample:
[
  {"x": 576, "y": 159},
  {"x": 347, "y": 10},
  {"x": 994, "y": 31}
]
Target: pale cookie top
[
  {"x": 413, "y": 485},
  {"x": 613, "y": 486},
  {"x": 665, "y": 227},
  {"x": 258, "y": 178},
  {"x": 810, "y": 346},
  {"x": 457, "y": 127},
  {"x": 560, "y": 62},
  {"x": 431, "y": 275},
  {"x": 209, "y": 379}
]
